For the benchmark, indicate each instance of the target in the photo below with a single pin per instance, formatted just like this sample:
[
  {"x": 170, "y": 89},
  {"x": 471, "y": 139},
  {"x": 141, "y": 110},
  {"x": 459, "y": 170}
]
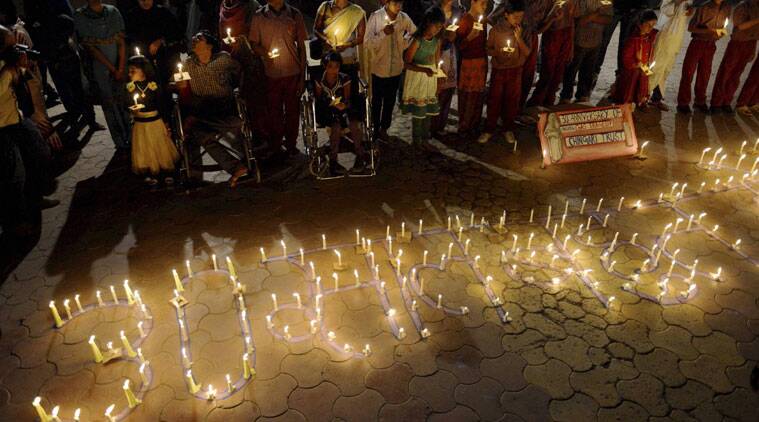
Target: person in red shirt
[
  {"x": 748, "y": 101},
  {"x": 473, "y": 72},
  {"x": 509, "y": 53},
  {"x": 556, "y": 52},
  {"x": 632, "y": 81},
  {"x": 235, "y": 16},
  {"x": 740, "y": 50},
  {"x": 707, "y": 25}
]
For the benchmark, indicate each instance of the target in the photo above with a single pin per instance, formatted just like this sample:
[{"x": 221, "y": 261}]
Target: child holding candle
[
  {"x": 509, "y": 53},
  {"x": 420, "y": 83},
  {"x": 152, "y": 149},
  {"x": 706, "y": 27},
  {"x": 632, "y": 82},
  {"x": 333, "y": 110},
  {"x": 446, "y": 87}
]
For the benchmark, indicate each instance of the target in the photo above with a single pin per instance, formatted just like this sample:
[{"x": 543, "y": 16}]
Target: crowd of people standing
[{"x": 422, "y": 53}]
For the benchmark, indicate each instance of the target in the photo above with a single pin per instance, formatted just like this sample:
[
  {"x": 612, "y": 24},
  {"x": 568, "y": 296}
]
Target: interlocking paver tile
[
  {"x": 436, "y": 390},
  {"x": 314, "y": 403},
  {"x": 579, "y": 407},
  {"x": 392, "y": 383}
]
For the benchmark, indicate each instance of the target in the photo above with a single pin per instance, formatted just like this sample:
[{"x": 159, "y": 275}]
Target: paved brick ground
[{"x": 564, "y": 355}]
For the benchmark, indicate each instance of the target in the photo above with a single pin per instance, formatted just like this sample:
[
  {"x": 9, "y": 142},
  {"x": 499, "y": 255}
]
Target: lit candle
[
  {"x": 263, "y": 254},
  {"x": 274, "y": 301},
  {"x": 606, "y": 220},
  {"x": 231, "y": 267},
  {"x": 143, "y": 375},
  {"x": 466, "y": 247},
  {"x": 532, "y": 214},
  {"x": 582, "y": 207},
  {"x": 56, "y": 315},
  {"x": 245, "y": 366},
  {"x": 336, "y": 278},
  {"x": 324, "y": 241},
  {"x": 566, "y": 239},
  {"x": 95, "y": 349},
  {"x": 77, "y": 414},
  {"x": 514, "y": 243},
  {"x": 230, "y": 387},
  {"x": 78, "y": 303},
  {"x": 421, "y": 223},
  {"x": 424, "y": 257},
  {"x": 191, "y": 384},
  {"x": 40, "y": 410},
  {"x": 449, "y": 223},
  {"x": 136, "y": 96},
  {"x": 177, "y": 282},
  {"x": 140, "y": 329},
  {"x": 132, "y": 400},
  {"x": 548, "y": 218},
  {"x": 600, "y": 201},
  {"x": 634, "y": 236},
  {"x": 108, "y": 413},
  {"x": 703, "y": 153},
  {"x": 555, "y": 228},
  {"x": 114, "y": 296},
  {"x": 621, "y": 201},
  {"x": 67, "y": 308},
  {"x": 127, "y": 346},
  {"x": 339, "y": 258},
  {"x": 215, "y": 263}
]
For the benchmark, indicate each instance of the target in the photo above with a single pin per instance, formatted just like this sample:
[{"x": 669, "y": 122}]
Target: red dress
[{"x": 632, "y": 82}]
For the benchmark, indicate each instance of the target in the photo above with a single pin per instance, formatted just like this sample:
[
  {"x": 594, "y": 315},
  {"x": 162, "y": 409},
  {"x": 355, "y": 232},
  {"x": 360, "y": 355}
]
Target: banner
[{"x": 587, "y": 134}]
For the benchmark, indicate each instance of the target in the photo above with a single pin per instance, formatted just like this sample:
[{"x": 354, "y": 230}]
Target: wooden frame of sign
[{"x": 587, "y": 134}]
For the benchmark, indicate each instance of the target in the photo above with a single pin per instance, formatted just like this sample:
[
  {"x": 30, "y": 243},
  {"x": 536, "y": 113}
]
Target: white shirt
[{"x": 387, "y": 50}]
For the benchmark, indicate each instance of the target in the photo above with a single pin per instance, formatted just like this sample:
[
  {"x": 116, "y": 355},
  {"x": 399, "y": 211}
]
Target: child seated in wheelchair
[{"x": 334, "y": 111}]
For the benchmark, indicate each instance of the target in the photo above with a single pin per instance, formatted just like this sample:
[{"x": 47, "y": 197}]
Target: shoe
[
  {"x": 484, "y": 138},
  {"x": 744, "y": 111},
  {"x": 95, "y": 126},
  {"x": 702, "y": 108},
  {"x": 727, "y": 109},
  {"x": 582, "y": 100},
  {"x": 336, "y": 169},
  {"x": 510, "y": 138},
  {"x": 660, "y": 106},
  {"x": 46, "y": 203},
  {"x": 359, "y": 165},
  {"x": 241, "y": 172},
  {"x": 683, "y": 109},
  {"x": 150, "y": 181},
  {"x": 383, "y": 136},
  {"x": 564, "y": 101}
]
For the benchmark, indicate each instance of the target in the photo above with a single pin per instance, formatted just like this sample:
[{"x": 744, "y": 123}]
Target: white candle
[
  {"x": 78, "y": 303},
  {"x": 421, "y": 223},
  {"x": 215, "y": 263},
  {"x": 634, "y": 236},
  {"x": 532, "y": 214},
  {"x": 582, "y": 207},
  {"x": 177, "y": 281},
  {"x": 140, "y": 329},
  {"x": 514, "y": 243},
  {"x": 337, "y": 281},
  {"x": 230, "y": 387},
  {"x": 529, "y": 241},
  {"x": 621, "y": 201},
  {"x": 191, "y": 384},
  {"x": 555, "y": 228},
  {"x": 606, "y": 220},
  {"x": 114, "y": 296},
  {"x": 56, "y": 315},
  {"x": 355, "y": 276},
  {"x": 263, "y": 254},
  {"x": 136, "y": 96},
  {"x": 188, "y": 267},
  {"x": 127, "y": 346},
  {"x": 424, "y": 258},
  {"x": 466, "y": 247},
  {"x": 703, "y": 153},
  {"x": 274, "y": 301},
  {"x": 40, "y": 410},
  {"x": 566, "y": 239},
  {"x": 548, "y": 218},
  {"x": 98, "y": 356},
  {"x": 450, "y": 249},
  {"x": 245, "y": 367},
  {"x": 132, "y": 400},
  {"x": 108, "y": 413},
  {"x": 600, "y": 201},
  {"x": 339, "y": 258},
  {"x": 324, "y": 241},
  {"x": 439, "y": 301}
]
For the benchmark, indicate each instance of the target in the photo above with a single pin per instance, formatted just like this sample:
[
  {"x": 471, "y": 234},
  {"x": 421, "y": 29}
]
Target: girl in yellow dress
[{"x": 153, "y": 152}]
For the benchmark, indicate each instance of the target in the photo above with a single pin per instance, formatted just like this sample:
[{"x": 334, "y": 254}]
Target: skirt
[
  {"x": 152, "y": 149},
  {"x": 473, "y": 75},
  {"x": 420, "y": 95}
]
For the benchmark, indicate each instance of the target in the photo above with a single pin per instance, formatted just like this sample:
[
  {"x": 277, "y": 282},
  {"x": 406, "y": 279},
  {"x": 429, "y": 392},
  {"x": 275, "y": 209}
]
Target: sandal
[{"x": 238, "y": 174}]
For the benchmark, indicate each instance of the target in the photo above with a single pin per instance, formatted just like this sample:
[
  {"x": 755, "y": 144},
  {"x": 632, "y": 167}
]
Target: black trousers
[
  {"x": 67, "y": 76},
  {"x": 580, "y": 68},
  {"x": 384, "y": 91}
]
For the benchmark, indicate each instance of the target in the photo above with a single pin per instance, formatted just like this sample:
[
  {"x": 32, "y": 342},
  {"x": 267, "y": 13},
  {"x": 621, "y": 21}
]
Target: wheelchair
[
  {"x": 317, "y": 151},
  {"x": 190, "y": 163}
]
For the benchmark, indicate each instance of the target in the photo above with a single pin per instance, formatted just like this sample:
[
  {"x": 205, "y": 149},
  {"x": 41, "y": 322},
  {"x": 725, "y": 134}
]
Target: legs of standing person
[
  {"x": 601, "y": 54},
  {"x": 384, "y": 92},
  {"x": 749, "y": 96},
  {"x": 284, "y": 113},
  {"x": 585, "y": 74},
  {"x": 690, "y": 64},
  {"x": 556, "y": 52},
  {"x": 441, "y": 120},
  {"x": 496, "y": 99},
  {"x": 528, "y": 73},
  {"x": 704, "y": 73},
  {"x": 68, "y": 80},
  {"x": 115, "y": 113},
  {"x": 737, "y": 55},
  {"x": 656, "y": 96},
  {"x": 570, "y": 74}
]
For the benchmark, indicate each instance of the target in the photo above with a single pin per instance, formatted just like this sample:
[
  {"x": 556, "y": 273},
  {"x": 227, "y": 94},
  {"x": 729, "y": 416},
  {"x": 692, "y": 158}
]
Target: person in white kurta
[{"x": 669, "y": 40}]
